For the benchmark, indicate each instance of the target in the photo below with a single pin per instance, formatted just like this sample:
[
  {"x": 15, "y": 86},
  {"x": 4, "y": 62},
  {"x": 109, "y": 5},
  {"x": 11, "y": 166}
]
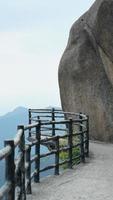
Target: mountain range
[
  {"x": 10, "y": 121},
  {"x": 8, "y": 129}
]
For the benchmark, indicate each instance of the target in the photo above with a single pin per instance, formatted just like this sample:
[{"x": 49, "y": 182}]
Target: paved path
[{"x": 90, "y": 181}]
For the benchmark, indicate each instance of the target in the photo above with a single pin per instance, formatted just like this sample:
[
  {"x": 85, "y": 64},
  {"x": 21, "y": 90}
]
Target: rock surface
[{"x": 86, "y": 69}]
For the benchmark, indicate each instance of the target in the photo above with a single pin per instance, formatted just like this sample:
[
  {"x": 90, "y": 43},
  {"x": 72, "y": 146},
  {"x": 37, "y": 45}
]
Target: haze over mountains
[
  {"x": 8, "y": 129},
  {"x": 10, "y": 121}
]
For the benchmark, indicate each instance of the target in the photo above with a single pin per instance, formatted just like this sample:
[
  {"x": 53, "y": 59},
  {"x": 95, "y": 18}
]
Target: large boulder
[{"x": 86, "y": 69}]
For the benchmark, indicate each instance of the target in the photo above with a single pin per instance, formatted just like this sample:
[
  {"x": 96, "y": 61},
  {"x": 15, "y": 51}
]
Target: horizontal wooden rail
[
  {"x": 64, "y": 162},
  {"x": 17, "y": 139},
  {"x": 35, "y": 157},
  {"x": 30, "y": 126},
  {"x": 5, "y": 152},
  {"x": 55, "y": 111},
  {"x": 47, "y": 168},
  {"x": 72, "y": 135},
  {"x": 47, "y": 154},
  {"x": 5, "y": 189}
]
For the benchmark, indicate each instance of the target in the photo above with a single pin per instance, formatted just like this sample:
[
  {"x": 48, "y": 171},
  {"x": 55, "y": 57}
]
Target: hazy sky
[{"x": 33, "y": 36}]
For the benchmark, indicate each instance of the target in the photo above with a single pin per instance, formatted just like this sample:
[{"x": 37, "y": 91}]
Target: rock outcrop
[{"x": 86, "y": 69}]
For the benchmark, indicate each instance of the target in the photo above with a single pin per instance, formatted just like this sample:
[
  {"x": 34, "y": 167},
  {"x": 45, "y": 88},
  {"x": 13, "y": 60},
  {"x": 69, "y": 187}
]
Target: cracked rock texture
[{"x": 86, "y": 69}]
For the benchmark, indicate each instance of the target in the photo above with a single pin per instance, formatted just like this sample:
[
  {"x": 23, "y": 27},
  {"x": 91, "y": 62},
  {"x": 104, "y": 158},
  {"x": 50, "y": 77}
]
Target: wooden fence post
[
  {"x": 37, "y": 152},
  {"x": 53, "y": 119},
  {"x": 10, "y": 170},
  {"x": 70, "y": 143},
  {"x": 38, "y": 118},
  {"x": 87, "y": 137},
  {"x": 28, "y": 170},
  {"x": 57, "y": 157},
  {"x": 29, "y": 112},
  {"x": 81, "y": 139},
  {"x": 22, "y": 150}
]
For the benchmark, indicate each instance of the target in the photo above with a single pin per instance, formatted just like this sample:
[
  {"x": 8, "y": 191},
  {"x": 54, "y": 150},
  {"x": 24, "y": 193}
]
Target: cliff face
[{"x": 86, "y": 69}]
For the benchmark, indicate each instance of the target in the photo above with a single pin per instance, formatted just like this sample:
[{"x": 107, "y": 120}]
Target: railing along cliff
[{"x": 61, "y": 132}]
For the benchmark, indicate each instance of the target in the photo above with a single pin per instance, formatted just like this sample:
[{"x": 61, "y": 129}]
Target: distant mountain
[
  {"x": 16, "y": 111},
  {"x": 8, "y": 129},
  {"x": 10, "y": 121}
]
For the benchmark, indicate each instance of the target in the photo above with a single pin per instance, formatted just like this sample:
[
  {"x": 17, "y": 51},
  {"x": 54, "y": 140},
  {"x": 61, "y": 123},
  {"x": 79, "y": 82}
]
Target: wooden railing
[
  {"x": 44, "y": 129},
  {"x": 14, "y": 167}
]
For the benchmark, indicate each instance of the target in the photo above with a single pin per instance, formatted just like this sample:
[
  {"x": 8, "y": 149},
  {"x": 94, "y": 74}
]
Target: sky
[{"x": 33, "y": 36}]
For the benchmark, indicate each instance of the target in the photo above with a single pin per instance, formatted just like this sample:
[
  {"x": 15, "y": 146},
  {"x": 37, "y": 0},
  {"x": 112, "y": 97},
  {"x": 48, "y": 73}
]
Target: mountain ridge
[{"x": 10, "y": 121}]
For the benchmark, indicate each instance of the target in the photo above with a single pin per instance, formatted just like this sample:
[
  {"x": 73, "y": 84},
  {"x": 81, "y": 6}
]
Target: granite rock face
[{"x": 86, "y": 69}]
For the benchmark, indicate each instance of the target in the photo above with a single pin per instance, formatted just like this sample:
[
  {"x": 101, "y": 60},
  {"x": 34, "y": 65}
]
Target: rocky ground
[{"x": 90, "y": 181}]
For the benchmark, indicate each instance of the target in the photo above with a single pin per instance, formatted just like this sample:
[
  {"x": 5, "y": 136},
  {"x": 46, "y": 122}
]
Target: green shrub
[{"x": 64, "y": 155}]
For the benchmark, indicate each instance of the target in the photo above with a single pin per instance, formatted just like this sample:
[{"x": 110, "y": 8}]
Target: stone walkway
[{"x": 90, "y": 181}]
